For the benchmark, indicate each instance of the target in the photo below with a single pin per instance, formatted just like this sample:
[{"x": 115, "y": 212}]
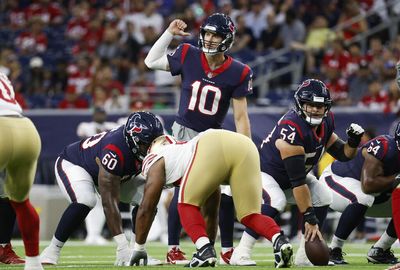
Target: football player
[
  {"x": 106, "y": 162},
  {"x": 200, "y": 166},
  {"x": 95, "y": 220},
  {"x": 362, "y": 187},
  {"x": 210, "y": 80},
  {"x": 19, "y": 150},
  {"x": 289, "y": 153}
]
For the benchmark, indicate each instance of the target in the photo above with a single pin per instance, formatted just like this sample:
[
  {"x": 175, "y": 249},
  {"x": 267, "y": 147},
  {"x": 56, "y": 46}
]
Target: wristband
[
  {"x": 310, "y": 217},
  {"x": 138, "y": 247}
]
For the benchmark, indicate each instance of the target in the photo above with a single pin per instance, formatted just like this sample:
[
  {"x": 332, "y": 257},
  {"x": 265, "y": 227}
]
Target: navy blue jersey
[
  {"x": 110, "y": 148},
  {"x": 206, "y": 93},
  {"x": 383, "y": 148},
  {"x": 294, "y": 130}
]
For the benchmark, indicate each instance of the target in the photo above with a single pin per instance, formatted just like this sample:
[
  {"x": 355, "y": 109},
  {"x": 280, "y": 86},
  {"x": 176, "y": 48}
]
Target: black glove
[
  {"x": 137, "y": 256},
  {"x": 354, "y": 132},
  {"x": 310, "y": 217}
]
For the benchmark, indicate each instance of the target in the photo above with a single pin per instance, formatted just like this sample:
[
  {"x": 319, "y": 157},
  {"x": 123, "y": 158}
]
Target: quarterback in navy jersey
[
  {"x": 210, "y": 81},
  {"x": 287, "y": 156},
  {"x": 362, "y": 187},
  {"x": 107, "y": 162}
]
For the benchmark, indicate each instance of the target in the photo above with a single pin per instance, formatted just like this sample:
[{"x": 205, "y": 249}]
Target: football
[{"x": 317, "y": 252}]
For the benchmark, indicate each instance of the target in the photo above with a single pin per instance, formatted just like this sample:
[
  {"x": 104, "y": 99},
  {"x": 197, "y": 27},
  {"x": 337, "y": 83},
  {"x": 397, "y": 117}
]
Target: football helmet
[
  {"x": 221, "y": 25},
  {"x": 141, "y": 129},
  {"x": 313, "y": 92}
]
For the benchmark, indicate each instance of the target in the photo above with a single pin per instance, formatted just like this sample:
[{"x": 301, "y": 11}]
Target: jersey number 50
[{"x": 204, "y": 91}]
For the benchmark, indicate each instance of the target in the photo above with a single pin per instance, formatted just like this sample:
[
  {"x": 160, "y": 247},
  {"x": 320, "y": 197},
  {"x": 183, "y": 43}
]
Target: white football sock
[
  {"x": 225, "y": 249},
  {"x": 247, "y": 241},
  {"x": 385, "y": 242},
  {"x": 201, "y": 242},
  {"x": 337, "y": 242},
  {"x": 56, "y": 244},
  {"x": 95, "y": 220}
]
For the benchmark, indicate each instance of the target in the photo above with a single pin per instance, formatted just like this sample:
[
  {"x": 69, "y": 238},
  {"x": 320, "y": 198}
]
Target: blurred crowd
[{"x": 89, "y": 53}]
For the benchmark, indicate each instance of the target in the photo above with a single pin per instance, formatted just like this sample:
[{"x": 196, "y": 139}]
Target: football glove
[
  {"x": 123, "y": 256},
  {"x": 137, "y": 256},
  {"x": 354, "y": 133}
]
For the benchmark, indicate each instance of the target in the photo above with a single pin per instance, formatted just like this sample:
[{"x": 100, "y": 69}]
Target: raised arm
[{"x": 157, "y": 56}]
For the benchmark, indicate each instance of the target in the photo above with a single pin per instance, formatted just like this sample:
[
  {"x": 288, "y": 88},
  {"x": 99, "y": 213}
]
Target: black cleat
[
  {"x": 204, "y": 257},
  {"x": 336, "y": 256},
  {"x": 283, "y": 252},
  {"x": 379, "y": 256}
]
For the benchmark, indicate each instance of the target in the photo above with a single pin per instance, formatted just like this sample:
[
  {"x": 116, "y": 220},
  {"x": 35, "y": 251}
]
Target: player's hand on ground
[
  {"x": 177, "y": 27},
  {"x": 311, "y": 232},
  {"x": 123, "y": 256},
  {"x": 137, "y": 256},
  {"x": 394, "y": 267}
]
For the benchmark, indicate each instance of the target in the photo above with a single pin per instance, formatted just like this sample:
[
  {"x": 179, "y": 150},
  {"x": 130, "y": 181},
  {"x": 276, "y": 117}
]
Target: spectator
[
  {"x": 50, "y": 12},
  {"x": 336, "y": 57},
  {"x": 318, "y": 36},
  {"x": 359, "y": 81},
  {"x": 244, "y": 37},
  {"x": 269, "y": 36},
  {"x": 80, "y": 73},
  {"x": 293, "y": 30},
  {"x": 350, "y": 10},
  {"x": 116, "y": 102},
  {"x": 34, "y": 40},
  {"x": 376, "y": 98},
  {"x": 72, "y": 100},
  {"x": 256, "y": 18},
  {"x": 108, "y": 49},
  {"x": 226, "y": 7}
]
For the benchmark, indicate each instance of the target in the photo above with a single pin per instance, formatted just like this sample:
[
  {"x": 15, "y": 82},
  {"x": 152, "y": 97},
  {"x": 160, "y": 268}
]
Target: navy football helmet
[
  {"x": 313, "y": 92},
  {"x": 141, "y": 129},
  {"x": 221, "y": 25}
]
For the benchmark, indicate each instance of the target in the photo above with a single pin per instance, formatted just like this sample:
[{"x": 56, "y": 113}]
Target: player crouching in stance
[
  {"x": 362, "y": 187},
  {"x": 289, "y": 153},
  {"x": 107, "y": 162},
  {"x": 200, "y": 166}
]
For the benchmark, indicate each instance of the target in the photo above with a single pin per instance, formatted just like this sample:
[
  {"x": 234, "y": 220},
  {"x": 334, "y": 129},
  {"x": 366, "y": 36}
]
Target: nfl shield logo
[{"x": 209, "y": 75}]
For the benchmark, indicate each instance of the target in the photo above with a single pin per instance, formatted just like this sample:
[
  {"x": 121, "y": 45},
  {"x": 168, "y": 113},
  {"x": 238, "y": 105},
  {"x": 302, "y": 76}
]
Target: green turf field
[{"x": 76, "y": 255}]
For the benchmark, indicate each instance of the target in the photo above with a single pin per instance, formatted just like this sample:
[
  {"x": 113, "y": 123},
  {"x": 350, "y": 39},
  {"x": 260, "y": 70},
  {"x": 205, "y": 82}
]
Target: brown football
[{"x": 317, "y": 252}]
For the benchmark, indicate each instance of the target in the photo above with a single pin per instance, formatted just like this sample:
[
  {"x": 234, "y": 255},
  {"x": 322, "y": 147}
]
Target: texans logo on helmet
[
  {"x": 305, "y": 83},
  {"x": 137, "y": 127}
]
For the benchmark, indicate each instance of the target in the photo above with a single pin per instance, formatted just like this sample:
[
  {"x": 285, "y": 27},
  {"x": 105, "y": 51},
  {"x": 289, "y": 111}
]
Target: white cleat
[
  {"x": 153, "y": 261},
  {"x": 33, "y": 263},
  {"x": 241, "y": 257},
  {"x": 49, "y": 256}
]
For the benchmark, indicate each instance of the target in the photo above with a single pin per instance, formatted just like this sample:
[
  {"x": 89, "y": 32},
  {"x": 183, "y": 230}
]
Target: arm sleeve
[
  {"x": 245, "y": 86},
  {"x": 157, "y": 56}
]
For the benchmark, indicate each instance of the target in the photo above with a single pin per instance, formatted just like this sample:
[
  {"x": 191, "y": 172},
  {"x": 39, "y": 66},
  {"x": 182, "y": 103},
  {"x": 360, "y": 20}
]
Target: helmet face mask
[
  {"x": 397, "y": 136},
  {"x": 140, "y": 130},
  {"x": 310, "y": 98},
  {"x": 221, "y": 25}
]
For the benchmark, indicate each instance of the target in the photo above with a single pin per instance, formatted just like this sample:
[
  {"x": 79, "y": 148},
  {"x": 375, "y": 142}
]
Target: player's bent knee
[
  {"x": 89, "y": 200},
  {"x": 367, "y": 200}
]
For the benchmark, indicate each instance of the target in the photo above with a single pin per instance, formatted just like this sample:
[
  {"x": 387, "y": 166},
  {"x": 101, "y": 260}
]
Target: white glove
[
  {"x": 354, "y": 133},
  {"x": 123, "y": 254}
]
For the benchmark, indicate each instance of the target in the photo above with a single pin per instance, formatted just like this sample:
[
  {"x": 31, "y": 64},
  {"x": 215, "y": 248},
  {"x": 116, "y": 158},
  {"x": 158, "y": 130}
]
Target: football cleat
[
  {"x": 225, "y": 258},
  {"x": 379, "y": 256},
  {"x": 8, "y": 256},
  {"x": 153, "y": 261},
  {"x": 301, "y": 258},
  {"x": 176, "y": 256},
  {"x": 336, "y": 256},
  {"x": 33, "y": 263},
  {"x": 49, "y": 256},
  {"x": 283, "y": 252},
  {"x": 204, "y": 257},
  {"x": 241, "y": 257}
]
